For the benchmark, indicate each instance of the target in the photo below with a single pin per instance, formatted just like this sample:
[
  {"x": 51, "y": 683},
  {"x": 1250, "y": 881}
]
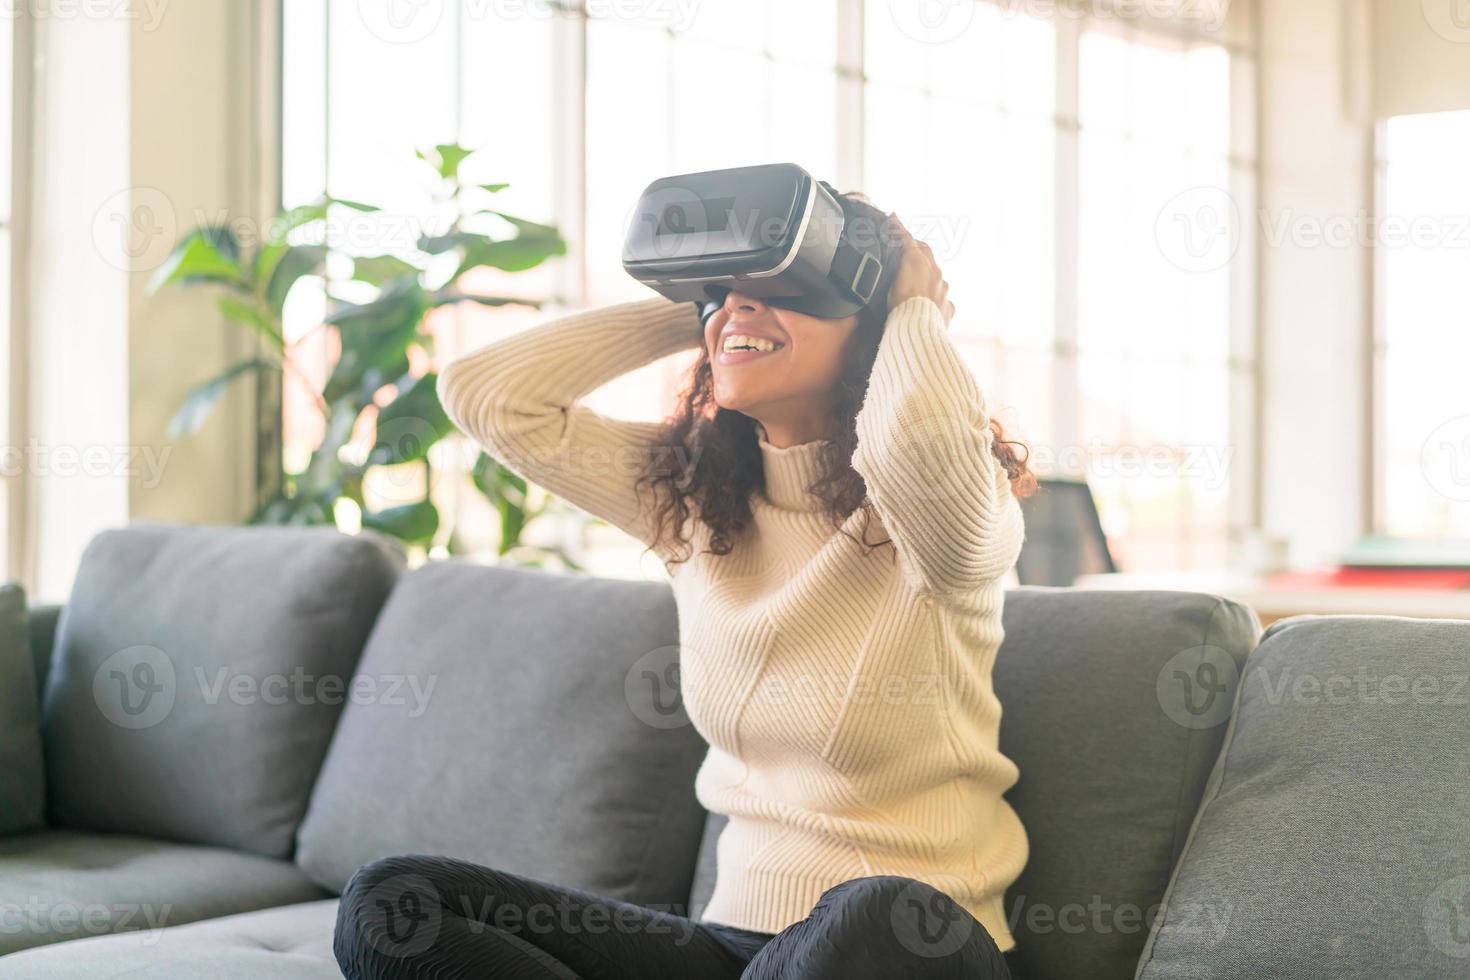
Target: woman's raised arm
[
  {"x": 518, "y": 397},
  {"x": 924, "y": 447}
]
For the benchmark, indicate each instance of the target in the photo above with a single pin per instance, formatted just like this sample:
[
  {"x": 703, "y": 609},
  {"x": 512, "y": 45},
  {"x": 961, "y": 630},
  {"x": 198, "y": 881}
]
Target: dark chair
[{"x": 1064, "y": 536}]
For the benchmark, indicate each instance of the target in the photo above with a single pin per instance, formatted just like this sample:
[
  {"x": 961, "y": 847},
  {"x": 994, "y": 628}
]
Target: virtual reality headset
[{"x": 771, "y": 231}]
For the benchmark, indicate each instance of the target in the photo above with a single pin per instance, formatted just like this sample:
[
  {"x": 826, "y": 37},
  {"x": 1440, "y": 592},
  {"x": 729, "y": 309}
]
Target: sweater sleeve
[
  {"x": 518, "y": 397},
  {"x": 924, "y": 450}
]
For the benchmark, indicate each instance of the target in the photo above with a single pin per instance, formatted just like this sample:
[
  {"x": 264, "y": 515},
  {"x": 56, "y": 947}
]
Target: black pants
[{"x": 434, "y": 918}]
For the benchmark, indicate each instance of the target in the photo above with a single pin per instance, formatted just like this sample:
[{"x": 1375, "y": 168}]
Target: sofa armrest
[{"x": 42, "y": 621}]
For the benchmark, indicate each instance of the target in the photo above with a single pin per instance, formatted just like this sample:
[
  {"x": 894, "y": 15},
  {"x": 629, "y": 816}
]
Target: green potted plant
[{"x": 384, "y": 349}]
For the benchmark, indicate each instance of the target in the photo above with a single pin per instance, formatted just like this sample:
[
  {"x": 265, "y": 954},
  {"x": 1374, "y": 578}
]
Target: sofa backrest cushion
[
  {"x": 534, "y": 730},
  {"x": 21, "y": 770},
  {"x": 1334, "y": 838},
  {"x": 1115, "y": 704},
  {"x": 198, "y": 674}
]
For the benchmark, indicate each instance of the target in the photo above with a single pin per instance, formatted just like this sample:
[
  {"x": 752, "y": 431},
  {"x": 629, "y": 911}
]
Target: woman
[{"x": 837, "y": 512}]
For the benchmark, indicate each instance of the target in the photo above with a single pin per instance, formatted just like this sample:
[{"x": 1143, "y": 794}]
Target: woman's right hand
[{"x": 918, "y": 274}]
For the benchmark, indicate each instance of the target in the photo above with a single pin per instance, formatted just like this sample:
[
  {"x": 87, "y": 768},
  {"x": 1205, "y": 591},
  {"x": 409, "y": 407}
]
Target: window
[
  {"x": 1160, "y": 202},
  {"x": 1421, "y": 243},
  {"x": 7, "y": 108},
  {"x": 1046, "y": 159}
]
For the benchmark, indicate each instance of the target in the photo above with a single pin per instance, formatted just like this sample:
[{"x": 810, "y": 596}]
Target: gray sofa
[{"x": 231, "y": 721}]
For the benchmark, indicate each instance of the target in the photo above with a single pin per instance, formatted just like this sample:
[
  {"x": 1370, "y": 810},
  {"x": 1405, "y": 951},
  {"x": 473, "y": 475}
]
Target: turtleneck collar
[{"x": 790, "y": 471}]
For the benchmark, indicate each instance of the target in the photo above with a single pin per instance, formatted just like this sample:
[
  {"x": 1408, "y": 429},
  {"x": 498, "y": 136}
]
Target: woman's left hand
[{"x": 918, "y": 274}]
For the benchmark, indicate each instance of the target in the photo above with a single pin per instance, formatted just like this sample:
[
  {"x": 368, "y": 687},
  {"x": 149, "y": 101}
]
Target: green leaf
[
  {"x": 202, "y": 397},
  {"x": 325, "y": 472},
  {"x": 411, "y": 523},
  {"x": 410, "y": 424},
  {"x": 375, "y": 339},
  {"x": 446, "y": 158},
  {"x": 354, "y": 205},
  {"x": 510, "y": 255},
  {"x": 493, "y": 188},
  {"x": 531, "y": 229},
  {"x": 204, "y": 255},
  {"x": 445, "y": 297},
  {"x": 249, "y": 315},
  {"x": 378, "y": 269},
  {"x": 506, "y": 492},
  {"x": 297, "y": 261}
]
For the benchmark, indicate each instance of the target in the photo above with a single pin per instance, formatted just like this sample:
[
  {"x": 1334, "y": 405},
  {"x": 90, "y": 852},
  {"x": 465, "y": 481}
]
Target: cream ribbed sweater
[{"x": 846, "y": 698}]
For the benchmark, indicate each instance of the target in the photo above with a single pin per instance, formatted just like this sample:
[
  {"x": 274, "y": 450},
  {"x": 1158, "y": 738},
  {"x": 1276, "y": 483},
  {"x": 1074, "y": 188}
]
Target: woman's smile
[{"x": 738, "y": 344}]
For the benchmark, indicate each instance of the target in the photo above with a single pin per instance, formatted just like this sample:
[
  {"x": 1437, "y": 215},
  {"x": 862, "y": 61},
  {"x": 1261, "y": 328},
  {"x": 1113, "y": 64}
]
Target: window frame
[{"x": 1244, "y": 503}]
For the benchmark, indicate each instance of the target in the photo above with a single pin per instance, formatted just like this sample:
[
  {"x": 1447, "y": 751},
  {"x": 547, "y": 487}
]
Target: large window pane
[{"x": 1424, "y": 333}]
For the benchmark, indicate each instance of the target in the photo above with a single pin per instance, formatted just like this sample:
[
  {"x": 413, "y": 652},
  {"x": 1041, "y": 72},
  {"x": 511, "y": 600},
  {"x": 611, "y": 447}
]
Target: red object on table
[{"x": 1421, "y": 579}]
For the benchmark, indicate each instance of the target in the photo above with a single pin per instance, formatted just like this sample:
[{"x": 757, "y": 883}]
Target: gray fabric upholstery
[
  {"x": 58, "y": 885},
  {"x": 1115, "y": 704},
  {"x": 293, "y": 942},
  {"x": 1334, "y": 840},
  {"x": 705, "y": 865},
  {"x": 21, "y": 768},
  {"x": 198, "y": 675},
  {"x": 536, "y": 750},
  {"x": 43, "y": 620}
]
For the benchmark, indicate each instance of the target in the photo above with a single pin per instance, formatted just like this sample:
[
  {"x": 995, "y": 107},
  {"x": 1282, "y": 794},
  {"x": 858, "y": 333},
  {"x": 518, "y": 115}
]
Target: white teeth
[{"x": 737, "y": 341}]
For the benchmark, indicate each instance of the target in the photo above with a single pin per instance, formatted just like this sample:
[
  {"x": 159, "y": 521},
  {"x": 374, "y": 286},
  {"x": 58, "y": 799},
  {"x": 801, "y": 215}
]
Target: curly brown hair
[{"x": 724, "y": 444}]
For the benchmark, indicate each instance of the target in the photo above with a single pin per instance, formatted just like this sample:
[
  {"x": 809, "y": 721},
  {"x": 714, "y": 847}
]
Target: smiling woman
[{"x": 801, "y": 432}]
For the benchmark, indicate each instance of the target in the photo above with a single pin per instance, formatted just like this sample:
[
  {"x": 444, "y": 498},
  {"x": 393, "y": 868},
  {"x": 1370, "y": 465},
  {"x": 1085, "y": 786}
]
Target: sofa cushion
[
  {"x": 21, "y": 768},
  {"x": 292, "y": 942},
  {"x": 1115, "y": 707},
  {"x": 59, "y": 885},
  {"x": 1332, "y": 841},
  {"x": 523, "y": 738},
  {"x": 198, "y": 674}
]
